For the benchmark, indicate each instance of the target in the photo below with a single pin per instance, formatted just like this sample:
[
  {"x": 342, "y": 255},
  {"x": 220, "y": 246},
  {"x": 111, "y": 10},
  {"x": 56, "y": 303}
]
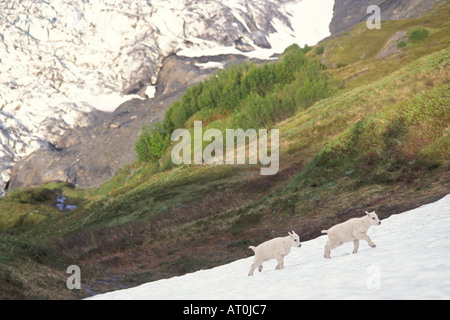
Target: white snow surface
[
  {"x": 411, "y": 261},
  {"x": 60, "y": 59}
]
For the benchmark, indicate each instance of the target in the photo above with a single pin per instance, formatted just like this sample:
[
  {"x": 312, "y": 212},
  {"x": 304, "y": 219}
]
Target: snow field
[
  {"x": 411, "y": 261},
  {"x": 309, "y": 23}
]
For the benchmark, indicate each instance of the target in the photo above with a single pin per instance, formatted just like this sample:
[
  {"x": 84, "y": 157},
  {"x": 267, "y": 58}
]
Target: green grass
[
  {"x": 412, "y": 133},
  {"x": 27, "y": 271},
  {"x": 309, "y": 130},
  {"x": 357, "y": 49},
  {"x": 23, "y": 209}
]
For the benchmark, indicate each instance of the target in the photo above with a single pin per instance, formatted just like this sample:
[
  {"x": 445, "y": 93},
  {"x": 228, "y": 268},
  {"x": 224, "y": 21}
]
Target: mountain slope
[
  {"x": 62, "y": 62},
  {"x": 143, "y": 226},
  {"x": 411, "y": 261},
  {"x": 378, "y": 142}
]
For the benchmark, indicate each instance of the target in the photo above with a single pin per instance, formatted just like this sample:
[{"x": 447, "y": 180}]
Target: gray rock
[
  {"x": 390, "y": 48},
  {"x": 348, "y": 13}
]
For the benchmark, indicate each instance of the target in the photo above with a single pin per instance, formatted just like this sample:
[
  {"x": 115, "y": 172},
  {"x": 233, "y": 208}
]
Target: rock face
[
  {"x": 347, "y": 13},
  {"x": 90, "y": 156},
  {"x": 390, "y": 48}
]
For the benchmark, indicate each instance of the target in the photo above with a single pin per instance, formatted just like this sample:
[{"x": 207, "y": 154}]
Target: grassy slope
[{"x": 381, "y": 142}]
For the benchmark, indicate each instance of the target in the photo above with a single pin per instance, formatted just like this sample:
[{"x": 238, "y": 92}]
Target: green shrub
[
  {"x": 418, "y": 34},
  {"x": 320, "y": 50},
  {"x": 152, "y": 143},
  {"x": 401, "y": 44},
  {"x": 35, "y": 195},
  {"x": 242, "y": 96},
  {"x": 306, "y": 49}
]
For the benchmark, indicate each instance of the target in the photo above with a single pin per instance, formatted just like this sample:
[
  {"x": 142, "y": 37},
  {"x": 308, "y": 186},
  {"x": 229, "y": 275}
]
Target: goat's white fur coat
[
  {"x": 351, "y": 230},
  {"x": 276, "y": 248}
]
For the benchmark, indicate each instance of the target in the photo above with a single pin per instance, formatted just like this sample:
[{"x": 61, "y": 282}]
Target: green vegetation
[
  {"x": 152, "y": 143},
  {"x": 320, "y": 50},
  {"x": 23, "y": 209},
  {"x": 401, "y": 44},
  {"x": 27, "y": 270},
  {"x": 242, "y": 96},
  {"x": 418, "y": 35},
  {"x": 359, "y": 48},
  {"x": 373, "y": 134},
  {"x": 410, "y": 134},
  {"x": 31, "y": 196}
]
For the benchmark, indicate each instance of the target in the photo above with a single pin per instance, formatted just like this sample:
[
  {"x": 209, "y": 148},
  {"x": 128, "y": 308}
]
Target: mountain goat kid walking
[
  {"x": 351, "y": 230},
  {"x": 276, "y": 248}
]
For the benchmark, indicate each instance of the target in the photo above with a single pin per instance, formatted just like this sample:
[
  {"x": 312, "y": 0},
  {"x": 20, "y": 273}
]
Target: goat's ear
[
  {"x": 367, "y": 213},
  {"x": 289, "y": 233}
]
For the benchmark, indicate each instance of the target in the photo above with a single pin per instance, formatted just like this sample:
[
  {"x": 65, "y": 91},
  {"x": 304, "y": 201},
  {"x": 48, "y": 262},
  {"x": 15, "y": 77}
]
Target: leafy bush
[
  {"x": 152, "y": 143},
  {"x": 418, "y": 34},
  {"x": 244, "y": 86},
  {"x": 401, "y": 44},
  {"x": 320, "y": 50},
  {"x": 242, "y": 96},
  {"x": 306, "y": 49}
]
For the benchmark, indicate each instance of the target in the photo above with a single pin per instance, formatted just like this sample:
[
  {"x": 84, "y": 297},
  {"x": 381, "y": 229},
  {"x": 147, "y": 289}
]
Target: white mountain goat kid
[
  {"x": 351, "y": 230},
  {"x": 276, "y": 248}
]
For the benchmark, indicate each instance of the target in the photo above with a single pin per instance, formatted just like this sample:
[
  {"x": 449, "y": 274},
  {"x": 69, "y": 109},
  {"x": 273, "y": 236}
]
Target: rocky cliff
[{"x": 347, "y": 13}]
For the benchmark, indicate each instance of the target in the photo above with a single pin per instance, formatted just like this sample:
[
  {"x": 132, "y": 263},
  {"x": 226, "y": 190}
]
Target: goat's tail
[{"x": 253, "y": 248}]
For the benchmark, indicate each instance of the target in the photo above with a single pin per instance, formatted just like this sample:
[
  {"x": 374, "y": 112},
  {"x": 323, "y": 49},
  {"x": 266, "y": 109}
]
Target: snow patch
[
  {"x": 411, "y": 261},
  {"x": 150, "y": 91},
  {"x": 309, "y": 23},
  {"x": 210, "y": 65}
]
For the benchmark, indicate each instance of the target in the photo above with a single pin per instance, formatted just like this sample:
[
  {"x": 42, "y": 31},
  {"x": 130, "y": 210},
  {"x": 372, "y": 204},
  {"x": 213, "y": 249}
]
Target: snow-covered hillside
[
  {"x": 60, "y": 59},
  {"x": 411, "y": 261}
]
